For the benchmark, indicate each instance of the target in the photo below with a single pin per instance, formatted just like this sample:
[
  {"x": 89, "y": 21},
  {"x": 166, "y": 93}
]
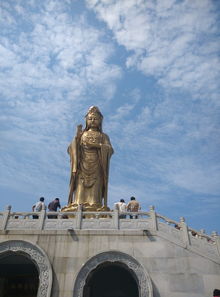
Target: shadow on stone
[
  {"x": 55, "y": 287},
  {"x": 155, "y": 290},
  {"x": 149, "y": 235},
  {"x": 73, "y": 234}
]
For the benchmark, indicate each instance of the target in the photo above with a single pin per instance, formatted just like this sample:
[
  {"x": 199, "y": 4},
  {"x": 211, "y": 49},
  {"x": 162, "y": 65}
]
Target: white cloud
[
  {"x": 49, "y": 60},
  {"x": 171, "y": 146},
  {"x": 174, "y": 41},
  {"x": 57, "y": 63},
  {"x": 55, "y": 46}
]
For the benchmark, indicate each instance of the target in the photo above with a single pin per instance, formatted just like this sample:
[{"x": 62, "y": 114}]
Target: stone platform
[{"x": 166, "y": 258}]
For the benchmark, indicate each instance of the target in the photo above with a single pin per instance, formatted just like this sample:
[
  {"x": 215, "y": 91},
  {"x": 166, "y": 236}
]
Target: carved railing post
[
  {"x": 153, "y": 217},
  {"x": 116, "y": 219},
  {"x": 217, "y": 240},
  {"x": 6, "y": 216},
  {"x": 42, "y": 217},
  {"x": 202, "y": 232},
  {"x": 79, "y": 217},
  {"x": 185, "y": 232}
]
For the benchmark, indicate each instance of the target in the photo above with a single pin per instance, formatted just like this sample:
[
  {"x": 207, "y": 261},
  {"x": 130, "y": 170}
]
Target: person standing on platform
[
  {"x": 121, "y": 207},
  {"x": 53, "y": 206},
  {"x": 38, "y": 206},
  {"x": 133, "y": 206}
]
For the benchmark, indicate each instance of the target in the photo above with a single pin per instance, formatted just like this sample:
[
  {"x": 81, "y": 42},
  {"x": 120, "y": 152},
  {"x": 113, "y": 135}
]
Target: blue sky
[{"x": 152, "y": 67}]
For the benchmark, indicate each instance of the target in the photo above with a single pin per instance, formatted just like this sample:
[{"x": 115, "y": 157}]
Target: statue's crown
[{"x": 94, "y": 110}]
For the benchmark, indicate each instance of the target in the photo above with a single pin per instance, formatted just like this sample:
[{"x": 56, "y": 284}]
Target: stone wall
[{"x": 168, "y": 262}]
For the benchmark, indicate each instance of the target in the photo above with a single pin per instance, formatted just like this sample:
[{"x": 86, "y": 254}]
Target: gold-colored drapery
[{"x": 90, "y": 153}]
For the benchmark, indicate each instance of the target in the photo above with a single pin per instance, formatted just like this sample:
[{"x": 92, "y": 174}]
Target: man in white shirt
[
  {"x": 38, "y": 207},
  {"x": 121, "y": 207}
]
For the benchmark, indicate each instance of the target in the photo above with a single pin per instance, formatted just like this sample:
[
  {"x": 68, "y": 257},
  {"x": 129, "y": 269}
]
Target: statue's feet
[
  {"x": 91, "y": 207},
  {"x": 85, "y": 207},
  {"x": 70, "y": 207},
  {"x": 103, "y": 208}
]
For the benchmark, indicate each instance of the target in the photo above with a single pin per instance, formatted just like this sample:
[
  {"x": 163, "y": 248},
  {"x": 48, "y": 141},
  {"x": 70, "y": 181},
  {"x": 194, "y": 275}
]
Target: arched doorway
[
  {"x": 19, "y": 276},
  {"x": 31, "y": 260},
  {"x": 97, "y": 275},
  {"x": 111, "y": 280}
]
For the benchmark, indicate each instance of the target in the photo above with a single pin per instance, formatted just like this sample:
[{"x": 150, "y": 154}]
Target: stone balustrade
[{"x": 152, "y": 224}]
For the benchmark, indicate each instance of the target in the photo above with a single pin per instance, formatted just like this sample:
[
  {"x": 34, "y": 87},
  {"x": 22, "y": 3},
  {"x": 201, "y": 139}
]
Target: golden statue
[{"x": 90, "y": 153}]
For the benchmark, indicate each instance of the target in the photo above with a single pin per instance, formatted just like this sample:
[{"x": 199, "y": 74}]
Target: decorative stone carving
[
  {"x": 142, "y": 277},
  {"x": 38, "y": 256},
  {"x": 16, "y": 224},
  {"x": 201, "y": 243}
]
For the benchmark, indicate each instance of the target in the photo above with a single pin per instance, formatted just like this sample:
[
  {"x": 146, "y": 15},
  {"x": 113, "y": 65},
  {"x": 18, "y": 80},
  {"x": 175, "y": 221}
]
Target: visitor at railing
[
  {"x": 133, "y": 206},
  {"x": 121, "y": 207},
  {"x": 53, "y": 206},
  {"x": 177, "y": 226},
  {"x": 38, "y": 206}
]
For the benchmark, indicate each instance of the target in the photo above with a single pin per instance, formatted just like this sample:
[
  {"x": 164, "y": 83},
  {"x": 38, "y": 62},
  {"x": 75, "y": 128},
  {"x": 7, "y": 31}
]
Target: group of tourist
[
  {"x": 52, "y": 206},
  {"x": 121, "y": 206},
  {"x": 132, "y": 206}
]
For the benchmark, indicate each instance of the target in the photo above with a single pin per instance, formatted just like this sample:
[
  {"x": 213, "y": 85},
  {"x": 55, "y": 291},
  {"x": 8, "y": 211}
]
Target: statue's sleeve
[
  {"x": 106, "y": 153},
  {"x": 73, "y": 152},
  {"x": 74, "y": 155}
]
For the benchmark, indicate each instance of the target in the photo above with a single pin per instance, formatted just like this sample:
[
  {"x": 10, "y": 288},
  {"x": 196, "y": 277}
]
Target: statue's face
[{"x": 93, "y": 121}]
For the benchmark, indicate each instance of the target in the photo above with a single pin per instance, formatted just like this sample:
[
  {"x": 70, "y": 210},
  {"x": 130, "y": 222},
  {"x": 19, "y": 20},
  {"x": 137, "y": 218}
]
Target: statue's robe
[{"x": 89, "y": 170}]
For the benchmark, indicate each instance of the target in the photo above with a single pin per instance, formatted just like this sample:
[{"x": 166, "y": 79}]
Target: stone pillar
[
  {"x": 42, "y": 217},
  {"x": 6, "y": 217},
  {"x": 202, "y": 231},
  {"x": 153, "y": 217},
  {"x": 185, "y": 232},
  {"x": 79, "y": 217},
  {"x": 217, "y": 240},
  {"x": 116, "y": 219}
]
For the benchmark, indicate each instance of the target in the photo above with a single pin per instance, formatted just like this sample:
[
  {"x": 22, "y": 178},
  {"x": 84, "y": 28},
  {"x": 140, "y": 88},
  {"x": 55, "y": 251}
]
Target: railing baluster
[
  {"x": 79, "y": 217},
  {"x": 116, "y": 219},
  {"x": 185, "y": 232},
  {"x": 42, "y": 217},
  {"x": 217, "y": 240},
  {"x": 6, "y": 217},
  {"x": 153, "y": 218}
]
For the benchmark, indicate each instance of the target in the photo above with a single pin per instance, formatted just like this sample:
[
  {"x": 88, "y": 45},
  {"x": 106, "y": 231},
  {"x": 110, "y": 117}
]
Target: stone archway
[
  {"x": 19, "y": 276},
  {"x": 35, "y": 255},
  {"x": 111, "y": 279},
  {"x": 113, "y": 258}
]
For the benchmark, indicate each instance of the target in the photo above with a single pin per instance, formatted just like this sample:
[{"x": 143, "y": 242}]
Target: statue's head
[{"x": 94, "y": 118}]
